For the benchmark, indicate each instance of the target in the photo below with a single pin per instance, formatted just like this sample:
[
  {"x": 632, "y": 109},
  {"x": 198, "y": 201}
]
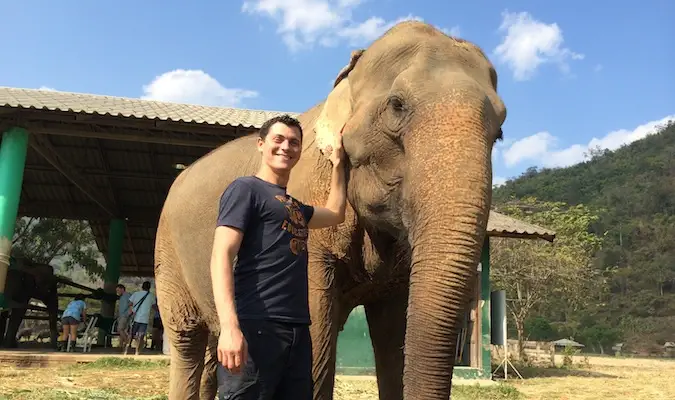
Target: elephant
[
  {"x": 421, "y": 115},
  {"x": 28, "y": 281}
]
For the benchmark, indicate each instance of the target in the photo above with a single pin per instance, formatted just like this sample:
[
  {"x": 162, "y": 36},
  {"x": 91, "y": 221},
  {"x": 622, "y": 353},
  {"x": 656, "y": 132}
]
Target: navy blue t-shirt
[{"x": 270, "y": 272}]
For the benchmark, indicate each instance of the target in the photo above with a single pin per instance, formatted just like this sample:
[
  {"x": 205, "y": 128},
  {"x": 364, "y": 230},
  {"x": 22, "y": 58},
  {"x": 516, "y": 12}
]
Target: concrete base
[{"x": 44, "y": 358}]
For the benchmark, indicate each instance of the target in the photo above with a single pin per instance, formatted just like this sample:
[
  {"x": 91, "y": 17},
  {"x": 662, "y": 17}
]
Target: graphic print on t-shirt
[{"x": 294, "y": 224}]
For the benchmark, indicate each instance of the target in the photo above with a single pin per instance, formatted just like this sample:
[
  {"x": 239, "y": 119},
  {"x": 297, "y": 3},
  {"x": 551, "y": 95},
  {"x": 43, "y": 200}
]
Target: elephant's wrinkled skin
[
  {"x": 31, "y": 281},
  {"x": 422, "y": 114}
]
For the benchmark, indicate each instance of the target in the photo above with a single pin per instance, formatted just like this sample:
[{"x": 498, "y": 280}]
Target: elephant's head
[{"x": 421, "y": 115}]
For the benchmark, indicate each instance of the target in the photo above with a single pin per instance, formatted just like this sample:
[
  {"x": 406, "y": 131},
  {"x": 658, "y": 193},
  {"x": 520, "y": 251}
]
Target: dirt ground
[{"x": 122, "y": 379}]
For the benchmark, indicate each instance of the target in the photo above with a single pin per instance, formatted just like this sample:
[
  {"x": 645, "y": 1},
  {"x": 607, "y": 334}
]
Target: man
[
  {"x": 140, "y": 304},
  {"x": 264, "y": 348},
  {"x": 123, "y": 314}
]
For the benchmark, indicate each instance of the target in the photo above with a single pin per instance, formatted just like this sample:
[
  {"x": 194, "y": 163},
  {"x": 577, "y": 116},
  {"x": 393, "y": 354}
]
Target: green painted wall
[{"x": 354, "y": 350}]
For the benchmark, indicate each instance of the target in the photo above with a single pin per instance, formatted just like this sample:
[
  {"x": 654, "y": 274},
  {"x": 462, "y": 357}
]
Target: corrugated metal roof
[
  {"x": 503, "y": 225},
  {"x": 135, "y": 108}
]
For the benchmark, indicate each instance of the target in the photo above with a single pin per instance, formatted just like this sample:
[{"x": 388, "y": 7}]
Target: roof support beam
[
  {"x": 87, "y": 211},
  {"x": 126, "y": 134},
  {"x": 42, "y": 145},
  {"x": 109, "y": 173}
]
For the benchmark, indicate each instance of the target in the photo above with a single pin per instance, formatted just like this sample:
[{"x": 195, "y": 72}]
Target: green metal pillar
[
  {"x": 12, "y": 162},
  {"x": 111, "y": 276},
  {"x": 114, "y": 259},
  {"x": 486, "y": 359}
]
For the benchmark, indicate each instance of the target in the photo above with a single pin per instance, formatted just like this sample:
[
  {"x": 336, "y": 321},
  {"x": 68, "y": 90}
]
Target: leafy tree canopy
[{"x": 63, "y": 243}]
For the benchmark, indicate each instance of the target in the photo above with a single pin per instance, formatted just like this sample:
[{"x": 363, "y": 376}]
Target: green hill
[{"x": 634, "y": 187}]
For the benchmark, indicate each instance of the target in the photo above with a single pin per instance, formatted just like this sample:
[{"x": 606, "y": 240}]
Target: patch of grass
[
  {"x": 130, "y": 378},
  {"x": 122, "y": 363},
  {"x": 72, "y": 394},
  {"x": 475, "y": 392}
]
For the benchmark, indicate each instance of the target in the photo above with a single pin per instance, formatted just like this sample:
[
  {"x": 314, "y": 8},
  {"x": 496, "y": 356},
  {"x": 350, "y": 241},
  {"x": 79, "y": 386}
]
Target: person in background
[
  {"x": 73, "y": 315},
  {"x": 123, "y": 314},
  {"x": 157, "y": 331},
  {"x": 140, "y": 304}
]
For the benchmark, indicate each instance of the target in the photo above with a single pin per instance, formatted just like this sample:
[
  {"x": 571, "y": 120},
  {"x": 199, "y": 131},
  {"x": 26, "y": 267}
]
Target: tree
[
  {"x": 69, "y": 243},
  {"x": 534, "y": 273},
  {"x": 595, "y": 153},
  {"x": 635, "y": 185}
]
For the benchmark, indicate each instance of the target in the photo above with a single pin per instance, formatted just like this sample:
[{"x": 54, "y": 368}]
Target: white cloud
[
  {"x": 47, "y": 89},
  {"x": 498, "y": 181},
  {"x": 304, "y": 23},
  {"x": 529, "y": 43},
  {"x": 194, "y": 87},
  {"x": 454, "y": 31},
  {"x": 541, "y": 148},
  {"x": 528, "y": 148}
]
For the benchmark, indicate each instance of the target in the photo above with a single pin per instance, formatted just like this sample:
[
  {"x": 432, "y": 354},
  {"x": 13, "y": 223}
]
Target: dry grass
[
  {"x": 118, "y": 379},
  {"x": 601, "y": 378}
]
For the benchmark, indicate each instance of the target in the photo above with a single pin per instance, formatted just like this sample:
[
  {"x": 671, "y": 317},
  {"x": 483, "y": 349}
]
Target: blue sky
[{"x": 572, "y": 74}]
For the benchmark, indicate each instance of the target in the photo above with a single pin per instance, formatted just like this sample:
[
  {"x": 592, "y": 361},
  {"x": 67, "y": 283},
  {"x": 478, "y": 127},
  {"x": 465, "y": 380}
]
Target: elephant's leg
[
  {"x": 185, "y": 331},
  {"x": 324, "y": 312},
  {"x": 386, "y": 322},
  {"x": 209, "y": 383},
  {"x": 187, "y": 363}
]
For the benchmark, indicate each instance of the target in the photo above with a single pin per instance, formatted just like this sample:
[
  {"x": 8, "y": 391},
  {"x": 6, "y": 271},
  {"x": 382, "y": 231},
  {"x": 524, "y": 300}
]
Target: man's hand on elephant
[
  {"x": 337, "y": 152},
  {"x": 232, "y": 349}
]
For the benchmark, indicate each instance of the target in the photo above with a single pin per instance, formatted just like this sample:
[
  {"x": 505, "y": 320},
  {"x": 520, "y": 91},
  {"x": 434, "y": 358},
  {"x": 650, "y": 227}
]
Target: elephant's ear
[{"x": 337, "y": 109}]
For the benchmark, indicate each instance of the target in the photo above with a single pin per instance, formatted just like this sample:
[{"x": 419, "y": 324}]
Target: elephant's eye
[{"x": 396, "y": 104}]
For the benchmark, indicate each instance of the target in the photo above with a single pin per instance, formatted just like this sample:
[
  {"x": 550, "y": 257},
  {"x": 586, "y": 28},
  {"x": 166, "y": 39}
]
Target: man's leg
[
  {"x": 140, "y": 336},
  {"x": 130, "y": 340},
  {"x": 296, "y": 383},
  {"x": 268, "y": 349},
  {"x": 122, "y": 329}
]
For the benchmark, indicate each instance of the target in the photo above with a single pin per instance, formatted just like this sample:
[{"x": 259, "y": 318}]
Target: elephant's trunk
[{"x": 447, "y": 194}]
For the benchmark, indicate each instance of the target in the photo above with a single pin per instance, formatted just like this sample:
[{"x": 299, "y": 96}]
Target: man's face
[
  {"x": 281, "y": 148},
  {"x": 119, "y": 291}
]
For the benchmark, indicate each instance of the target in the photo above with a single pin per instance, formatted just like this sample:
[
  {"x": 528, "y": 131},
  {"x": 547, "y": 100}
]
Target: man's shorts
[
  {"x": 279, "y": 364},
  {"x": 69, "y": 321},
  {"x": 138, "y": 329},
  {"x": 122, "y": 324}
]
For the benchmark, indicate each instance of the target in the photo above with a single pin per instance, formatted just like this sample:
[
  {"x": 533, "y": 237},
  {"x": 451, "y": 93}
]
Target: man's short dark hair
[
  {"x": 146, "y": 285},
  {"x": 284, "y": 119},
  {"x": 120, "y": 286},
  {"x": 79, "y": 296}
]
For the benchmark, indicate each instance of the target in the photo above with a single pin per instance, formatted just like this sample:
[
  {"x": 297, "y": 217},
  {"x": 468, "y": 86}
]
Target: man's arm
[
  {"x": 236, "y": 207},
  {"x": 226, "y": 243},
  {"x": 333, "y": 213}
]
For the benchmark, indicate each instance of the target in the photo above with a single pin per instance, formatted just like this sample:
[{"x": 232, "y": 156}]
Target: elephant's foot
[{"x": 386, "y": 322}]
